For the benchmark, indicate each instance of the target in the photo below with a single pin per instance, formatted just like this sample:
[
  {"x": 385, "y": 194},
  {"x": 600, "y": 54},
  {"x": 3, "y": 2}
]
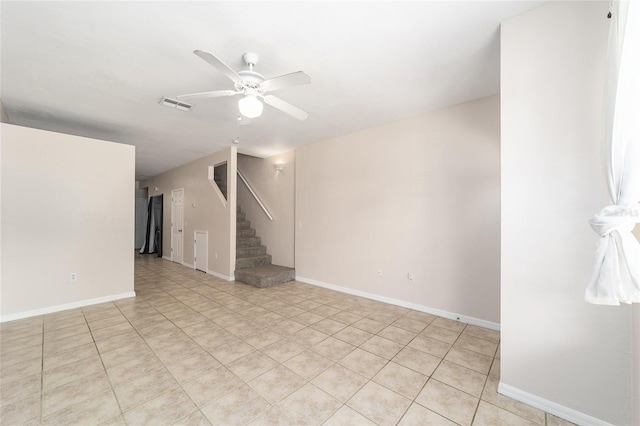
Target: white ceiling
[{"x": 99, "y": 69}]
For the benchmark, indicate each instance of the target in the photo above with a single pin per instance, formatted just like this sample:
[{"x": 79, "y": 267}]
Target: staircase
[{"x": 253, "y": 264}]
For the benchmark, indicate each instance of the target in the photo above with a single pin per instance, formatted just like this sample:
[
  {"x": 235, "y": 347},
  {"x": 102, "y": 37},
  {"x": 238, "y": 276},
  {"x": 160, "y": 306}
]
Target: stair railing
[{"x": 255, "y": 196}]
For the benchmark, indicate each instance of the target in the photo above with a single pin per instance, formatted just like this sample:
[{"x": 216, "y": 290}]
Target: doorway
[
  {"x": 177, "y": 222},
  {"x": 153, "y": 236}
]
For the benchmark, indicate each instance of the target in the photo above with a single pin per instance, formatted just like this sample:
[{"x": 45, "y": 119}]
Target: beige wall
[
  {"x": 67, "y": 206},
  {"x": 211, "y": 212},
  {"x": 555, "y": 346},
  {"x": 276, "y": 189},
  {"x": 419, "y": 196}
]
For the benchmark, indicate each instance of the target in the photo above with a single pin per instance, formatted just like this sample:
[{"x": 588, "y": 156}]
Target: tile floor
[{"x": 192, "y": 349}]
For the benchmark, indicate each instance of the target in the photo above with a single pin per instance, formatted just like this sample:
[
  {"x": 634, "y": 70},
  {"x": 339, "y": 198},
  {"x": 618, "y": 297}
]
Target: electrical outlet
[
  {"x": 379, "y": 272},
  {"x": 73, "y": 276},
  {"x": 410, "y": 277}
]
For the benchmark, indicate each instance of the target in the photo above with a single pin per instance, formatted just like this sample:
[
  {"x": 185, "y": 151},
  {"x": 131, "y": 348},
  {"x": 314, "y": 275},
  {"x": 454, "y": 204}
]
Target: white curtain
[{"x": 616, "y": 275}]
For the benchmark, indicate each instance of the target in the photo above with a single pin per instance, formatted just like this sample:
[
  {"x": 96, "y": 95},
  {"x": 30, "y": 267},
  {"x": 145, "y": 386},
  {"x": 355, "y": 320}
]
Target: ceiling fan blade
[
  {"x": 287, "y": 80},
  {"x": 286, "y": 107},
  {"x": 214, "y": 94},
  {"x": 218, "y": 64}
]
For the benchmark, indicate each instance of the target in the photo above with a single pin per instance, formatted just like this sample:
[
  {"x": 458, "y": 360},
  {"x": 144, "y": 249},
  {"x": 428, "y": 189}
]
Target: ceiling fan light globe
[{"x": 250, "y": 106}]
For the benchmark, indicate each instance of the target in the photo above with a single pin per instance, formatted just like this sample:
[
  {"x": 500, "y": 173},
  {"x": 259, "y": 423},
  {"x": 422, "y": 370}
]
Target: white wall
[
  {"x": 276, "y": 189},
  {"x": 419, "y": 196},
  {"x": 556, "y": 347},
  {"x": 211, "y": 213},
  {"x": 67, "y": 206}
]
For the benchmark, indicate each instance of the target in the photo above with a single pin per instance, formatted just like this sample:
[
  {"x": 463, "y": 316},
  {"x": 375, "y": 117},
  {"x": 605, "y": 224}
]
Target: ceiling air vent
[{"x": 172, "y": 103}]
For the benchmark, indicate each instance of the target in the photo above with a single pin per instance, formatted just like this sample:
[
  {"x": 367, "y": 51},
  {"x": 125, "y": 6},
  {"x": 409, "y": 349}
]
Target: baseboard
[
  {"x": 554, "y": 408},
  {"x": 66, "y": 306},
  {"x": 450, "y": 315},
  {"x": 224, "y": 277}
]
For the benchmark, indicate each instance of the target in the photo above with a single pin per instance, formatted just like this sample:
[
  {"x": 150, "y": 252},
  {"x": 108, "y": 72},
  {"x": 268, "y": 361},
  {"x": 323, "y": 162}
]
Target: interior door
[
  {"x": 177, "y": 222},
  {"x": 200, "y": 251}
]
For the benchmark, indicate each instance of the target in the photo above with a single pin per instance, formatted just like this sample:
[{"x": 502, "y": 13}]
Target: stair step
[
  {"x": 240, "y": 217},
  {"x": 265, "y": 276},
  {"x": 250, "y": 251},
  {"x": 245, "y": 233},
  {"x": 243, "y": 224},
  {"x": 248, "y": 242},
  {"x": 250, "y": 262}
]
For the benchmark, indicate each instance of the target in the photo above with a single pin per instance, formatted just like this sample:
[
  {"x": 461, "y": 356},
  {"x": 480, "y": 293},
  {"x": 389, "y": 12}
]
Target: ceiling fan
[{"x": 253, "y": 87}]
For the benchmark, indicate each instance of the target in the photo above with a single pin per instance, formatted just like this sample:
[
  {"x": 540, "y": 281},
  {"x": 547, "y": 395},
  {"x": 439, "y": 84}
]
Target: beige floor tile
[
  {"x": 58, "y": 376},
  {"x": 328, "y": 326},
  {"x": 20, "y": 370},
  {"x": 144, "y": 388},
  {"x": 369, "y": 325},
  {"x": 69, "y": 356},
  {"x": 115, "y": 421},
  {"x": 308, "y": 364},
  {"x": 397, "y": 334},
  {"x": 133, "y": 369},
  {"x": 193, "y": 367},
  {"x": 7, "y": 359},
  {"x": 382, "y": 347},
  {"x": 95, "y": 410},
  {"x": 482, "y": 333},
  {"x": 430, "y": 346},
  {"x": 25, "y": 411},
  {"x": 400, "y": 379},
  {"x": 110, "y": 331},
  {"x": 353, "y": 335},
  {"x": 107, "y": 322},
  {"x": 165, "y": 409},
  {"x": 339, "y": 382},
  {"x": 282, "y": 350},
  {"x": 213, "y": 385},
  {"x": 557, "y": 421},
  {"x": 495, "y": 369},
  {"x": 262, "y": 338},
  {"x": 449, "y": 324},
  {"x": 231, "y": 351},
  {"x": 346, "y": 416},
  {"x": 19, "y": 342},
  {"x": 309, "y": 406},
  {"x": 272, "y": 417},
  {"x": 448, "y": 402},
  {"x": 460, "y": 377},
  {"x": 277, "y": 383},
  {"x": 237, "y": 407},
  {"x": 422, "y": 317},
  {"x": 61, "y": 333},
  {"x": 469, "y": 359},
  {"x": 484, "y": 347},
  {"x": 308, "y": 337},
  {"x": 344, "y": 317},
  {"x": 416, "y": 360},
  {"x": 214, "y": 339},
  {"x": 126, "y": 353},
  {"x": 490, "y": 415},
  {"x": 364, "y": 363},
  {"x": 289, "y": 311},
  {"x": 385, "y": 317},
  {"x": 194, "y": 419},
  {"x": 67, "y": 343},
  {"x": 379, "y": 404},
  {"x": 251, "y": 366},
  {"x": 417, "y": 415},
  {"x": 118, "y": 341},
  {"x": 333, "y": 348},
  {"x": 189, "y": 320},
  {"x": 74, "y": 393},
  {"x": 491, "y": 395},
  {"x": 307, "y": 318},
  {"x": 287, "y": 327},
  {"x": 18, "y": 389},
  {"x": 409, "y": 324},
  {"x": 439, "y": 333},
  {"x": 179, "y": 352}
]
